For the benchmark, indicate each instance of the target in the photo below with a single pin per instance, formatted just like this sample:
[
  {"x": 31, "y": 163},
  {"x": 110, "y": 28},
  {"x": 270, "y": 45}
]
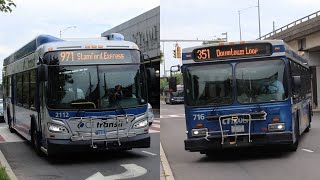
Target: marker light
[
  {"x": 199, "y": 125},
  {"x": 231, "y": 43},
  {"x": 275, "y": 119}
]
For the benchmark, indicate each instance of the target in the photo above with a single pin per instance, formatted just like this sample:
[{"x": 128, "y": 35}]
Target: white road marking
[
  {"x": 308, "y": 150},
  {"x": 133, "y": 171},
  {"x": 149, "y": 153},
  {"x": 165, "y": 164},
  {"x": 172, "y": 116}
]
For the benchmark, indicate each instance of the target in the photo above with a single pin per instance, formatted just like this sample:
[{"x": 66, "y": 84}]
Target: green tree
[
  {"x": 5, "y": 5},
  {"x": 163, "y": 83}
]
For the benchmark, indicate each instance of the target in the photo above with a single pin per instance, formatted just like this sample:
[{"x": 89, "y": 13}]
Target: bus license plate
[{"x": 238, "y": 128}]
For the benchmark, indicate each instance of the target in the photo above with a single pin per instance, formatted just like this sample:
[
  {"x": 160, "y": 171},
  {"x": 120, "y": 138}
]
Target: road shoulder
[
  {"x": 5, "y": 164},
  {"x": 166, "y": 170}
]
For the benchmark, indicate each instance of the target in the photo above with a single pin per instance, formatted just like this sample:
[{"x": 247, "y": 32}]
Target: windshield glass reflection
[{"x": 95, "y": 87}]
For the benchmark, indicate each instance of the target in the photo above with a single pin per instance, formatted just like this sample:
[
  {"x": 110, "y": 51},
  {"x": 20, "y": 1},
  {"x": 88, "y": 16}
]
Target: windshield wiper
[
  {"x": 89, "y": 90},
  {"x": 248, "y": 92},
  {"x": 111, "y": 95}
]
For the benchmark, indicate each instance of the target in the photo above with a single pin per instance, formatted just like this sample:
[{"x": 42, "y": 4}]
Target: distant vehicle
[
  {"x": 174, "y": 97},
  {"x": 245, "y": 93},
  {"x": 150, "y": 114},
  {"x": 78, "y": 95}
]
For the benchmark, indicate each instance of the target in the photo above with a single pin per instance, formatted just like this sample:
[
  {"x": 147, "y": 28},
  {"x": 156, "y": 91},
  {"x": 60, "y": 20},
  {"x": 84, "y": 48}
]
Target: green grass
[{"x": 3, "y": 174}]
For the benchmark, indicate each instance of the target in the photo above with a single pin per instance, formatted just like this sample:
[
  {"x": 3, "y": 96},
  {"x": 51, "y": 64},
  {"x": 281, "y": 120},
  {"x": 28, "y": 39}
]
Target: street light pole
[
  {"x": 61, "y": 31},
  {"x": 239, "y": 12},
  {"x": 239, "y": 25},
  {"x": 259, "y": 19}
]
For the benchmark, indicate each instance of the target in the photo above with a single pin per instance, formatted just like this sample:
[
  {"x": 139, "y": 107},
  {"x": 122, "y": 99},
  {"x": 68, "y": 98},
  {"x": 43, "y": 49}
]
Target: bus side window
[
  {"x": 26, "y": 91},
  {"x": 295, "y": 71},
  {"x": 33, "y": 80},
  {"x": 18, "y": 89}
]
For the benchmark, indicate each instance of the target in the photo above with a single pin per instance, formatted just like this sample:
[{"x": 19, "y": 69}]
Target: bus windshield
[
  {"x": 261, "y": 81},
  {"x": 95, "y": 87},
  {"x": 209, "y": 85}
]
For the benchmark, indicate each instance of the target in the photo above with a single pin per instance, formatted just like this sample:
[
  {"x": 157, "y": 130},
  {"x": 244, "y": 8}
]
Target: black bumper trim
[
  {"x": 201, "y": 144},
  {"x": 64, "y": 145}
]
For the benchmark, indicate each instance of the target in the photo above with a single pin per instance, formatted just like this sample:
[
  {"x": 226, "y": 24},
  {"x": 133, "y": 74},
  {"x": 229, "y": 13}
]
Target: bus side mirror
[
  {"x": 173, "y": 84},
  {"x": 297, "y": 81},
  {"x": 151, "y": 75},
  {"x": 43, "y": 72}
]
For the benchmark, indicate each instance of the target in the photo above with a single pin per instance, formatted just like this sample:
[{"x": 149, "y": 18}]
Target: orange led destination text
[
  {"x": 236, "y": 52},
  {"x": 71, "y": 56}
]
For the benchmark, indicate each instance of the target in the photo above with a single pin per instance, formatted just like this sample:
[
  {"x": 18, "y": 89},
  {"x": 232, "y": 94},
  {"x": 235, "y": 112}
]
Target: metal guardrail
[{"x": 294, "y": 23}]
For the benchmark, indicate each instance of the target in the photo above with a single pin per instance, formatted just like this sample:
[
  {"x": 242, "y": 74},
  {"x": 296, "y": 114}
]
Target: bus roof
[
  {"x": 45, "y": 43},
  {"x": 279, "y": 48},
  {"x": 30, "y": 48},
  {"x": 87, "y": 43}
]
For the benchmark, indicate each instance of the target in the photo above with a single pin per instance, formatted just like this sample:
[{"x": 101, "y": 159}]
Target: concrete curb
[
  {"x": 165, "y": 164},
  {"x": 5, "y": 164}
]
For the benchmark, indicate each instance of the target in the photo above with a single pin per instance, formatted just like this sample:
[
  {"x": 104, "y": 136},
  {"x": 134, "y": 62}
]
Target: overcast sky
[
  {"x": 91, "y": 18},
  {"x": 207, "y": 19}
]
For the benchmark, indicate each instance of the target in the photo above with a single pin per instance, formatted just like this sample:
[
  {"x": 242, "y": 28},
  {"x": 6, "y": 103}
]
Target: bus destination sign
[
  {"x": 88, "y": 55},
  {"x": 109, "y": 56},
  {"x": 232, "y": 51}
]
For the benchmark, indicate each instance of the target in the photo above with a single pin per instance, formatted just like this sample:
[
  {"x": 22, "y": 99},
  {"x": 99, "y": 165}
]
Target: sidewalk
[
  {"x": 165, "y": 170},
  {"x": 162, "y": 174}
]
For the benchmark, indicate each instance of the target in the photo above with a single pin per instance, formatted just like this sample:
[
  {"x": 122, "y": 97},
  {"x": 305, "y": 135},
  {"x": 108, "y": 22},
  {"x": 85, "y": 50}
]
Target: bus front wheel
[
  {"x": 36, "y": 138},
  {"x": 294, "y": 146}
]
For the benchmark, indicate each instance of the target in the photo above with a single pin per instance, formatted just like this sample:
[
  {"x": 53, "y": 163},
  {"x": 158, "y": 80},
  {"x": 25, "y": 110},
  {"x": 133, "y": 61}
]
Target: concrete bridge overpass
[{"x": 304, "y": 36}]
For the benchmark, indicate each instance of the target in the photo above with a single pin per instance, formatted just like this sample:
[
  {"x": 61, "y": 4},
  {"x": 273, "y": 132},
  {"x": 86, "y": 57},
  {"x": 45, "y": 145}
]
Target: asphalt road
[
  {"x": 28, "y": 166},
  {"x": 246, "y": 164}
]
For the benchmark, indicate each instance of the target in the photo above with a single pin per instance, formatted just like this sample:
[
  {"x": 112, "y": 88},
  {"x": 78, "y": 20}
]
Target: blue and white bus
[
  {"x": 78, "y": 95},
  {"x": 245, "y": 94}
]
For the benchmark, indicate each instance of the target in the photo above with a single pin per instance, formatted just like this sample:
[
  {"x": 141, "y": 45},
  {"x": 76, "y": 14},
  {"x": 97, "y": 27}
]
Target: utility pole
[
  {"x": 239, "y": 25},
  {"x": 259, "y": 19},
  {"x": 274, "y": 27}
]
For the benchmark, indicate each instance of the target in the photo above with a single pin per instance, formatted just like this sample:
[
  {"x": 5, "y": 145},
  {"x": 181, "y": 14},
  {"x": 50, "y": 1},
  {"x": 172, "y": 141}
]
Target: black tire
[
  {"x": 10, "y": 127},
  {"x": 310, "y": 118},
  {"x": 294, "y": 146},
  {"x": 36, "y": 138},
  {"x": 10, "y": 123}
]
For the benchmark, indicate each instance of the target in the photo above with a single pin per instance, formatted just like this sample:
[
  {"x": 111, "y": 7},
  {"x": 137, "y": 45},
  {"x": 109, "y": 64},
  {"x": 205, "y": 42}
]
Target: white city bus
[{"x": 78, "y": 95}]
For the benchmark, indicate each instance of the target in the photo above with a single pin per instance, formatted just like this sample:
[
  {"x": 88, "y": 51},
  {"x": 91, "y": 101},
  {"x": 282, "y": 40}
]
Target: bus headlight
[
  {"x": 199, "y": 132},
  {"x": 276, "y": 127},
  {"x": 141, "y": 124},
  {"x": 57, "y": 128}
]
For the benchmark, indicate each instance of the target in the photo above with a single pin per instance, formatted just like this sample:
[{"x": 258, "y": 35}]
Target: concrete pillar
[{"x": 318, "y": 86}]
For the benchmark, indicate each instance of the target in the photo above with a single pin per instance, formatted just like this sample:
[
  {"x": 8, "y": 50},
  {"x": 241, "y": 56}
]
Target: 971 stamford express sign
[
  {"x": 71, "y": 57},
  {"x": 232, "y": 51}
]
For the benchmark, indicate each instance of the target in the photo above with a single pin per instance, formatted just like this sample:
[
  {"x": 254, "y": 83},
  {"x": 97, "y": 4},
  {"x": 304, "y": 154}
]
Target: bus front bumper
[
  {"x": 214, "y": 143},
  {"x": 64, "y": 145}
]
